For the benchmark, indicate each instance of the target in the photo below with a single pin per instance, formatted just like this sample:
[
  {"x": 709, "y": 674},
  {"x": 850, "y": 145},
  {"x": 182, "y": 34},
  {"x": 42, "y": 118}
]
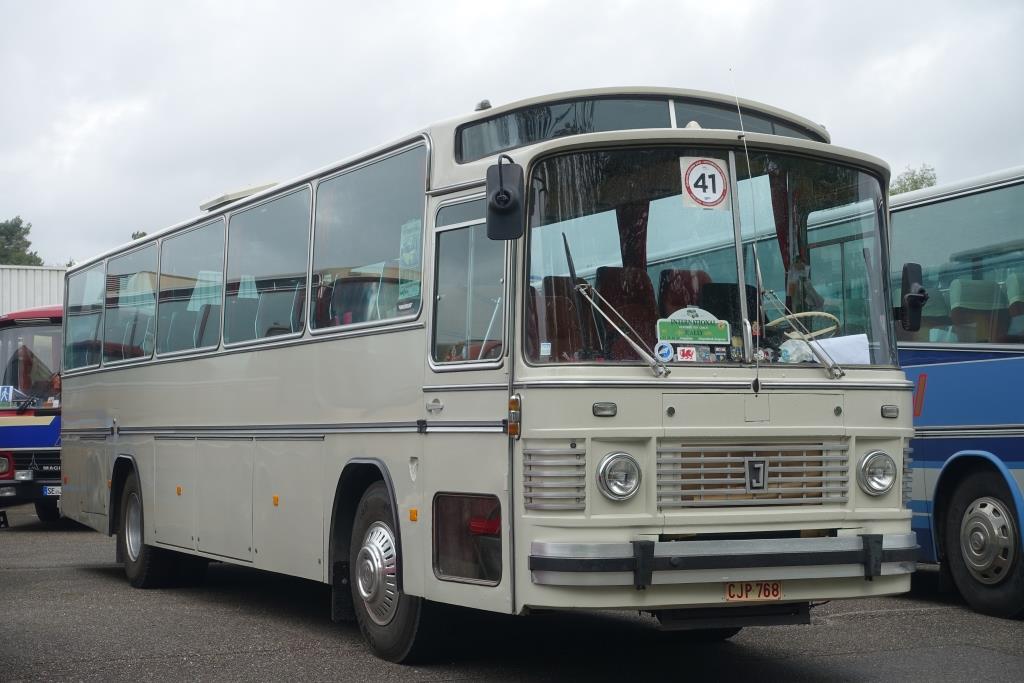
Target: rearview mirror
[
  {"x": 912, "y": 297},
  {"x": 505, "y": 200}
]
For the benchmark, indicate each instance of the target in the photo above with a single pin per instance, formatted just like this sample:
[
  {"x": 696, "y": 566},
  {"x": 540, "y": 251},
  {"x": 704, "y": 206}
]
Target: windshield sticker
[
  {"x": 545, "y": 349},
  {"x": 705, "y": 181},
  {"x": 409, "y": 260},
  {"x": 693, "y": 325},
  {"x": 664, "y": 351},
  {"x": 686, "y": 354},
  {"x": 6, "y": 394}
]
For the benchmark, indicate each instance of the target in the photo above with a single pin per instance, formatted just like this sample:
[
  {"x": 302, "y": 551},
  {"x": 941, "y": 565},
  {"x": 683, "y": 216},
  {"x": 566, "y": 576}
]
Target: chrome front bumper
[{"x": 647, "y": 563}]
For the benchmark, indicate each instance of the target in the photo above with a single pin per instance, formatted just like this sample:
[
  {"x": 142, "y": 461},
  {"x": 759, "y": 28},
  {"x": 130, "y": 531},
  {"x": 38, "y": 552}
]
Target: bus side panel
[
  {"x": 287, "y": 510},
  {"x": 224, "y": 497},
  {"x": 174, "y": 487}
]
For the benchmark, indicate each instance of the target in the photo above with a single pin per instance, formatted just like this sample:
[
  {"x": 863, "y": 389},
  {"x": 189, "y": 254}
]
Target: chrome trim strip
[
  {"x": 740, "y": 546},
  {"x": 32, "y": 450},
  {"x": 964, "y": 431},
  {"x": 86, "y": 431},
  {"x": 315, "y": 432},
  {"x": 465, "y": 387},
  {"x": 450, "y": 189},
  {"x": 838, "y": 571},
  {"x": 965, "y": 347},
  {"x": 677, "y": 385}
]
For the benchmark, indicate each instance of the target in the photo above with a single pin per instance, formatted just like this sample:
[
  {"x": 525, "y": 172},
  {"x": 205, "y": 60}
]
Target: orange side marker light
[
  {"x": 177, "y": 489},
  {"x": 414, "y": 514},
  {"x": 276, "y": 500}
]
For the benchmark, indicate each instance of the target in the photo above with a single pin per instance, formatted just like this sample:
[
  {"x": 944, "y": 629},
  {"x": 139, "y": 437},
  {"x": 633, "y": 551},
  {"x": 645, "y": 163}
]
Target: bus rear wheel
[
  {"x": 983, "y": 546},
  {"x": 144, "y": 565},
  {"x": 393, "y": 623}
]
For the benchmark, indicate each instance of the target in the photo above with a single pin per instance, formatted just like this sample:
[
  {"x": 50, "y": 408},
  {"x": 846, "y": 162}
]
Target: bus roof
[
  {"x": 447, "y": 173},
  {"x": 40, "y": 313},
  {"x": 988, "y": 181}
]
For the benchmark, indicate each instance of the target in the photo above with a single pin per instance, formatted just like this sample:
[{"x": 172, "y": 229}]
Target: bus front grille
[
  {"x": 555, "y": 478},
  {"x": 721, "y": 475}
]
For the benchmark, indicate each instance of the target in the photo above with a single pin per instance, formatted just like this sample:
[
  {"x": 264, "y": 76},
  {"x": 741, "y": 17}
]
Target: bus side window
[
  {"x": 367, "y": 241},
  {"x": 191, "y": 289},
  {"x": 468, "y": 315},
  {"x": 268, "y": 251},
  {"x": 130, "y": 305}
]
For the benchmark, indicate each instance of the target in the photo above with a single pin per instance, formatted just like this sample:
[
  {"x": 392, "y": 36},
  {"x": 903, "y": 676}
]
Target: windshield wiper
[
  {"x": 826, "y": 361},
  {"x": 657, "y": 367},
  {"x": 25, "y": 402}
]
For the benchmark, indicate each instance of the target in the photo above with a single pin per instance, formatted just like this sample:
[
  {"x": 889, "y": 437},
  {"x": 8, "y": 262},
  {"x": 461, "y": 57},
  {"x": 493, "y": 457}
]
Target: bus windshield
[
  {"x": 652, "y": 233},
  {"x": 31, "y": 364}
]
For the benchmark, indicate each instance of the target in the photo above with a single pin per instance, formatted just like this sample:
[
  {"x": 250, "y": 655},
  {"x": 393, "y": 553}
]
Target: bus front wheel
[
  {"x": 144, "y": 565},
  {"x": 983, "y": 545},
  {"x": 47, "y": 510},
  {"x": 392, "y": 622}
]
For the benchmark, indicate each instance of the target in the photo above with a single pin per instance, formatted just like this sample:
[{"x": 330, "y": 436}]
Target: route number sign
[{"x": 705, "y": 182}]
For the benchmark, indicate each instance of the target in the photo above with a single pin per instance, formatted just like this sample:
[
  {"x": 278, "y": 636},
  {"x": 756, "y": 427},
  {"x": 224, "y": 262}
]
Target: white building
[{"x": 30, "y": 286}]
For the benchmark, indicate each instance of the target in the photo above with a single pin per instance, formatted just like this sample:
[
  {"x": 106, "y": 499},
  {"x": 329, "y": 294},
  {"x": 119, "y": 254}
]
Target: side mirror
[
  {"x": 912, "y": 298},
  {"x": 505, "y": 189}
]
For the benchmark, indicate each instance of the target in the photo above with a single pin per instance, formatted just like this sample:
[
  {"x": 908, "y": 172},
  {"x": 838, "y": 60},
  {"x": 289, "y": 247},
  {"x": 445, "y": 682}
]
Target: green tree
[
  {"x": 913, "y": 179},
  {"x": 138, "y": 234},
  {"x": 14, "y": 244}
]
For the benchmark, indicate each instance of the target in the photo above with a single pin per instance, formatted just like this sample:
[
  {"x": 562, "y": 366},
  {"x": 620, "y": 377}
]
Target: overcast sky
[{"x": 123, "y": 116}]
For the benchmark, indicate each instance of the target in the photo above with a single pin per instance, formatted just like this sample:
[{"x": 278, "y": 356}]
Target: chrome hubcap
[
  {"x": 376, "y": 573},
  {"x": 133, "y": 527},
  {"x": 987, "y": 540}
]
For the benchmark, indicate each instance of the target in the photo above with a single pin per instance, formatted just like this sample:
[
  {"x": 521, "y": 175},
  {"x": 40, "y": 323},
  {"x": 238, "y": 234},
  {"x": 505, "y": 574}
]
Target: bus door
[{"x": 465, "y": 464}]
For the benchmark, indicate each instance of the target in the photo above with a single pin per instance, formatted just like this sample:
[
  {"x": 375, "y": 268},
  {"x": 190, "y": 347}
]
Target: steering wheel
[{"x": 791, "y": 317}]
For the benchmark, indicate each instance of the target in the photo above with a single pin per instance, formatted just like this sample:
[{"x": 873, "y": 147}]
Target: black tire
[
  {"x": 47, "y": 510},
  {"x": 1001, "y": 594},
  {"x": 404, "y": 636},
  {"x": 150, "y": 567}
]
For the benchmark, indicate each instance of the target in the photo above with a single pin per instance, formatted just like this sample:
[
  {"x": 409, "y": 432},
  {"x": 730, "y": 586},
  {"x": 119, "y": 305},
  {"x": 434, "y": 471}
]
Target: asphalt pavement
[{"x": 67, "y": 613}]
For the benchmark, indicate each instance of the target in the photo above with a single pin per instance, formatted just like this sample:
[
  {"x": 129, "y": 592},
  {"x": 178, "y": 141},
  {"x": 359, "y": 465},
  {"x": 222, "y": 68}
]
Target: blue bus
[
  {"x": 967, "y": 363},
  {"x": 30, "y": 383}
]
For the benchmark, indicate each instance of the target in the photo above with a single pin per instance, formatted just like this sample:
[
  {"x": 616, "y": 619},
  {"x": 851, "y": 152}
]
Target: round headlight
[
  {"x": 618, "y": 476},
  {"x": 877, "y": 473}
]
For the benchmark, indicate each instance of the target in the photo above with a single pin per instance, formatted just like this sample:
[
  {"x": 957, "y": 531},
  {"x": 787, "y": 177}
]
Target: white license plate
[
  {"x": 51, "y": 490},
  {"x": 753, "y": 591}
]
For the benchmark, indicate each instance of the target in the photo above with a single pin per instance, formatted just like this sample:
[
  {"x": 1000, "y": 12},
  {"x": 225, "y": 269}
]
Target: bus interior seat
[
  {"x": 722, "y": 300},
  {"x": 180, "y": 328},
  {"x": 1015, "y": 307},
  {"x": 206, "y": 325},
  {"x": 1015, "y": 294},
  {"x": 350, "y": 300},
  {"x": 978, "y": 309},
  {"x": 629, "y": 291},
  {"x": 678, "y": 288},
  {"x": 560, "y": 314},
  {"x": 239, "y": 318},
  {"x": 276, "y": 310}
]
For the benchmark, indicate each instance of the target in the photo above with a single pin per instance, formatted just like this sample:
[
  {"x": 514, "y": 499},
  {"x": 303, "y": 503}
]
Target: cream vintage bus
[{"x": 575, "y": 352}]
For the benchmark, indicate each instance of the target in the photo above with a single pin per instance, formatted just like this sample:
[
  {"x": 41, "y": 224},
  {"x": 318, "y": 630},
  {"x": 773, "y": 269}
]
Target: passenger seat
[
  {"x": 978, "y": 308},
  {"x": 630, "y": 292}
]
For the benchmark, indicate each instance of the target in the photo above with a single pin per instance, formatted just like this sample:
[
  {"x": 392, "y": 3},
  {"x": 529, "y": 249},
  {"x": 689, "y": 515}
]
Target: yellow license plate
[{"x": 753, "y": 591}]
